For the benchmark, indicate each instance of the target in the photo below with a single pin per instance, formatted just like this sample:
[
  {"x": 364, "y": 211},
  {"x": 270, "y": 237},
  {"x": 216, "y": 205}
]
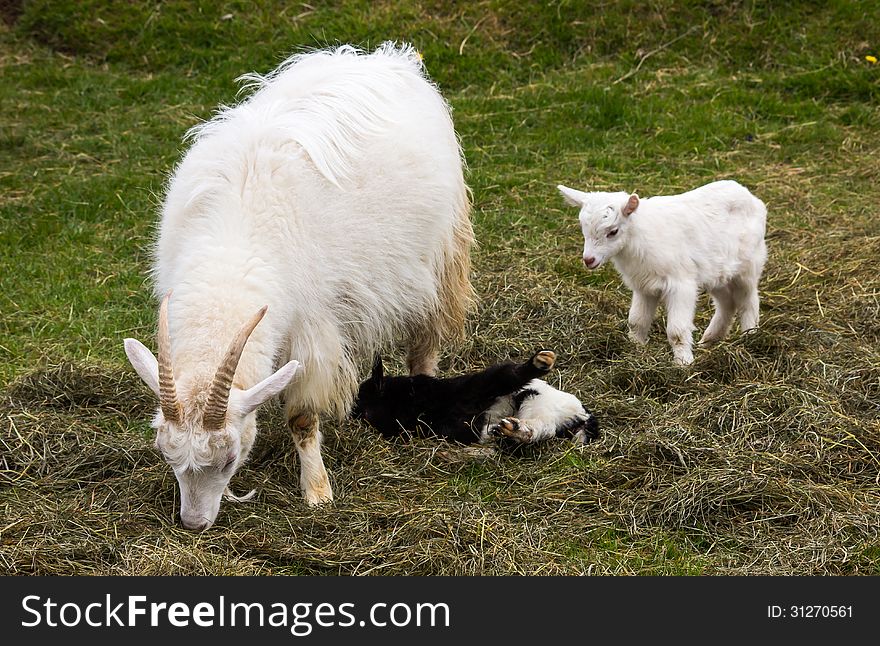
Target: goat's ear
[
  {"x": 144, "y": 363},
  {"x": 631, "y": 205},
  {"x": 249, "y": 400},
  {"x": 378, "y": 375},
  {"x": 572, "y": 196}
]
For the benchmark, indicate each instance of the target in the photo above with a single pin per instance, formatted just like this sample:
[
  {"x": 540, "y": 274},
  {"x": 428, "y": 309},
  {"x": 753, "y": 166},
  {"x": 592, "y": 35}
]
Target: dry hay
[{"x": 763, "y": 457}]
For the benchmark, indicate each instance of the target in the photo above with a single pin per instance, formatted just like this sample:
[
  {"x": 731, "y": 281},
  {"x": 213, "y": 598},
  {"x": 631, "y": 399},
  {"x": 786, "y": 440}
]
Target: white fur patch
[{"x": 543, "y": 413}]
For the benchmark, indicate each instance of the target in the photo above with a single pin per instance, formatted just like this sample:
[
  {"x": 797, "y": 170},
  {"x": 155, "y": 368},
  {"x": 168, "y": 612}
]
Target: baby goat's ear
[
  {"x": 571, "y": 196},
  {"x": 378, "y": 371},
  {"x": 631, "y": 205}
]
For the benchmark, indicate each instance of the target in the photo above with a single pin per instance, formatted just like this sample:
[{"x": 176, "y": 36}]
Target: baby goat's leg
[
  {"x": 313, "y": 478},
  {"x": 641, "y": 315},
  {"x": 681, "y": 303},
  {"x": 725, "y": 310},
  {"x": 515, "y": 429},
  {"x": 525, "y": 431},
  {"x": 745, "y": 294},
  {"x": 506, "y": 378}
]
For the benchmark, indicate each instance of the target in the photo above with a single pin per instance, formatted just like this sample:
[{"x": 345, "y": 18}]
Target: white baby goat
[{"x": 671, "y": 247}]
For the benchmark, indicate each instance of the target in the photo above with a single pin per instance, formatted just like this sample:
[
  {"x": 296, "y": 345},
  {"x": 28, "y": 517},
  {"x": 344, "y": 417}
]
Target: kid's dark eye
[{"x": 612, "y": 233}]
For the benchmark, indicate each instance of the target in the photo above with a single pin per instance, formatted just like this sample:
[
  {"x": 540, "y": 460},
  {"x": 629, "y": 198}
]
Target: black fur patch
[
  {"x": 452, "y": 407},
  {"x": 523, "y": 395},
  {"x": 590, "y": 427}
]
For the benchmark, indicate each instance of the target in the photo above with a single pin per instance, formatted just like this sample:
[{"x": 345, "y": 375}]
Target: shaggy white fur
[{"x": 335, "y": 195}]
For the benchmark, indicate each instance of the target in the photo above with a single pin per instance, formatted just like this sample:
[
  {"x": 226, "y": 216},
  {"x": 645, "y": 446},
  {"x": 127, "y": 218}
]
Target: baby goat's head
[
  {"x": 206, "y": 434},
  {"x": 371, "y": 401},
  {"x": 604, "y": 221}
]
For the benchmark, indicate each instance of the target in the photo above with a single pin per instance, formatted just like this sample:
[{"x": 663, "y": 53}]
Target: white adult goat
[
  {"x": 671, "y": 247},
  {"x": 332, "y": 203}
]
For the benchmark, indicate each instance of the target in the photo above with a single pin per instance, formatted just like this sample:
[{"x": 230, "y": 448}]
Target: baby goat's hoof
[
  {"x": 512, "y": 428},
  {"x": 711, "y": 338},
  {"x": 544, "y": 360}
]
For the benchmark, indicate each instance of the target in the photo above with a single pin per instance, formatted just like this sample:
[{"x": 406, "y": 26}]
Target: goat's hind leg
[
  {"x": 516, "y": 429},
  {"x": 513, "y": 428},
  {"x": 307, "y": 437},
  {"x": 745, "y": 295},
  {"x": 505, "y": 379},
  {"x": 525, "y": 430},
  {"x": 538, "y": 365},
  {"x": 543, "y": 361},
  {"x": 424, "y": 347},
  {"x": 725, "y": 310},
  {"x": 456, "y": 297}
]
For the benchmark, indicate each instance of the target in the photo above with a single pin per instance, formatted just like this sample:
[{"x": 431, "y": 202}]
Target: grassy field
[{"x": 761, "y": 458}]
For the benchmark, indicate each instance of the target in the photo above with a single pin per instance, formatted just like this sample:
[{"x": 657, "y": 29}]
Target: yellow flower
[{"x": 871, "y": 59}]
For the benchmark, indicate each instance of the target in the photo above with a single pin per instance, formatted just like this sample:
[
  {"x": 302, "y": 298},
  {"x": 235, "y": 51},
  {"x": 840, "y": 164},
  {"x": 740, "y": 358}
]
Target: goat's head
[
  {"x": 206, "y": 435},
  {"x": 604, "y": 219}
]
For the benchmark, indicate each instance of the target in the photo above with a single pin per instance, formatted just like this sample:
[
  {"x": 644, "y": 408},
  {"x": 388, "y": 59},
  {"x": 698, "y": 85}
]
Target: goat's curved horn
[
  {"x": 167, "y": 392},
  {"x": 218, "y": 395}
]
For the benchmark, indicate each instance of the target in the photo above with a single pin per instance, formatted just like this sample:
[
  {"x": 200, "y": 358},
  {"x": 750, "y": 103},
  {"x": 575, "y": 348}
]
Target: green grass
[{"x": 769, "y": 446}]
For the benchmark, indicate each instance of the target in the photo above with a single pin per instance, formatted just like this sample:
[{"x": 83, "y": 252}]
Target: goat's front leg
[
  {"x": 681, "y": 303},
  {"x": 313, "y": 478},
  {"x": 641, "y": 315}
]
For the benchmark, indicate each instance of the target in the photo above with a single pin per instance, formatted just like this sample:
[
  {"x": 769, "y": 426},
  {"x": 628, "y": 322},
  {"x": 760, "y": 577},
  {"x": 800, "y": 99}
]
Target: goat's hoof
[
  {"x": 684, "y": 359},
  {"x": 316, "y": 500},
  {"x": 639, "y": 339},
  {"x": 504, "y": 426},
  {"x": 712, "y": 337},
  {"x": 511, "y": 427},
  {"x": 544, "y": 360},
  {"x": 316, "y": 496}
]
